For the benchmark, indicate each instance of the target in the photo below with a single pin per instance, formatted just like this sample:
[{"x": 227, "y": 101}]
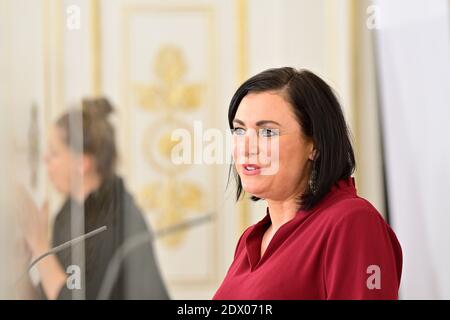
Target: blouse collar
[{"x": 254, "y": 239}]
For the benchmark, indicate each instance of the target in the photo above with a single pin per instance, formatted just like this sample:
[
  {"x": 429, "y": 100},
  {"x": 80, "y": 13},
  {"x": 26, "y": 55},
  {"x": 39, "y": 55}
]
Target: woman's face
[
  {"x": 60, "y": 161},
  {"x": 270, "y": 151}
]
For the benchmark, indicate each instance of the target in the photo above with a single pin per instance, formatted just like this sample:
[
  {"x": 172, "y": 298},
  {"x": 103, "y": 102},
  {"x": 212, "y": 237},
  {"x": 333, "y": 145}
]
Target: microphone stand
[{"x": 114, "y": 266}]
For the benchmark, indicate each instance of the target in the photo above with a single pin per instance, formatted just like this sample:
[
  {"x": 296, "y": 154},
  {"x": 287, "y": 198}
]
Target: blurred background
[{"x": 163, "y": 65}]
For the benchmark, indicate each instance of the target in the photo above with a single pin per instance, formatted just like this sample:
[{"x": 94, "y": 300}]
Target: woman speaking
[{"x": 318, "y": 239}]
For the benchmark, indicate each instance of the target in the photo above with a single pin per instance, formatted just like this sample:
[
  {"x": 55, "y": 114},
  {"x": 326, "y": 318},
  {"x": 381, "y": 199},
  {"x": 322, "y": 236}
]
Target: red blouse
[{"x": 341, "y": 249}]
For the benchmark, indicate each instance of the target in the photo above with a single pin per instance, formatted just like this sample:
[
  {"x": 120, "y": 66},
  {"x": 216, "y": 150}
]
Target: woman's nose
[{"x": 251, "y": 143}]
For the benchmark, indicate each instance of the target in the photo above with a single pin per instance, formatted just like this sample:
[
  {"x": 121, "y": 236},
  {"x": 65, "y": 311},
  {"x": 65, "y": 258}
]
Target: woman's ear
[{"x": 312, "y": 152}]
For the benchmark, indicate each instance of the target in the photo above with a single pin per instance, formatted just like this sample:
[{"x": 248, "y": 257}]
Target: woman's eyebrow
[
  {"x": 258, "y": 124},
  {"x": 263, "y": 122}
]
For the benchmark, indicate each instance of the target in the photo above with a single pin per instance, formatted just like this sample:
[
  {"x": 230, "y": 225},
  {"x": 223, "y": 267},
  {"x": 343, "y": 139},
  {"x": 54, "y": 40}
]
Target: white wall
[
  {"x": 414, "y": 68},
  {"x": 21, "y": 86}
]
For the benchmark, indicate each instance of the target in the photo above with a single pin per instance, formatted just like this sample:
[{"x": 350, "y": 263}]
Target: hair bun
[{"x": 97, "y": 108}]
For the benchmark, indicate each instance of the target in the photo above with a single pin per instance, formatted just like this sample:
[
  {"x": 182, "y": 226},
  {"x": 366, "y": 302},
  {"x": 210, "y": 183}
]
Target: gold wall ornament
[
  {"x": 147, "y": 97},
  {"x": 173, "y": 96},
  {"x": 170, "y": 92},
  {"x": 169, "y": 65},
  {"x": 149, "y": 197},
  {"x": 169, "y": 202},
  {"x": 177, "y": 198},
  {"x": 157, "y": 145}
]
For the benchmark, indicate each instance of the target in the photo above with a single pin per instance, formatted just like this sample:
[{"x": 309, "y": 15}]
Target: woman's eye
[
  {"x": 267, "y": 133},
  {"x": 239, "y": 131}
]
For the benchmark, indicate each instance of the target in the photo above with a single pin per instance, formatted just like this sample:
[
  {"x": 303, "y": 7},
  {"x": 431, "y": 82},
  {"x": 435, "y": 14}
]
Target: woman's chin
[{"x": 254, "y": 191}]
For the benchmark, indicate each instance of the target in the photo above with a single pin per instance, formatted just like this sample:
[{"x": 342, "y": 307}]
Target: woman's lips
[{"x": 251, "y": 169}]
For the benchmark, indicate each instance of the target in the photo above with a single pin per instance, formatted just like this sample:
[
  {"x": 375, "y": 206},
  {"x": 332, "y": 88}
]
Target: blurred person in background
[{"x": 80, "y": 163}]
